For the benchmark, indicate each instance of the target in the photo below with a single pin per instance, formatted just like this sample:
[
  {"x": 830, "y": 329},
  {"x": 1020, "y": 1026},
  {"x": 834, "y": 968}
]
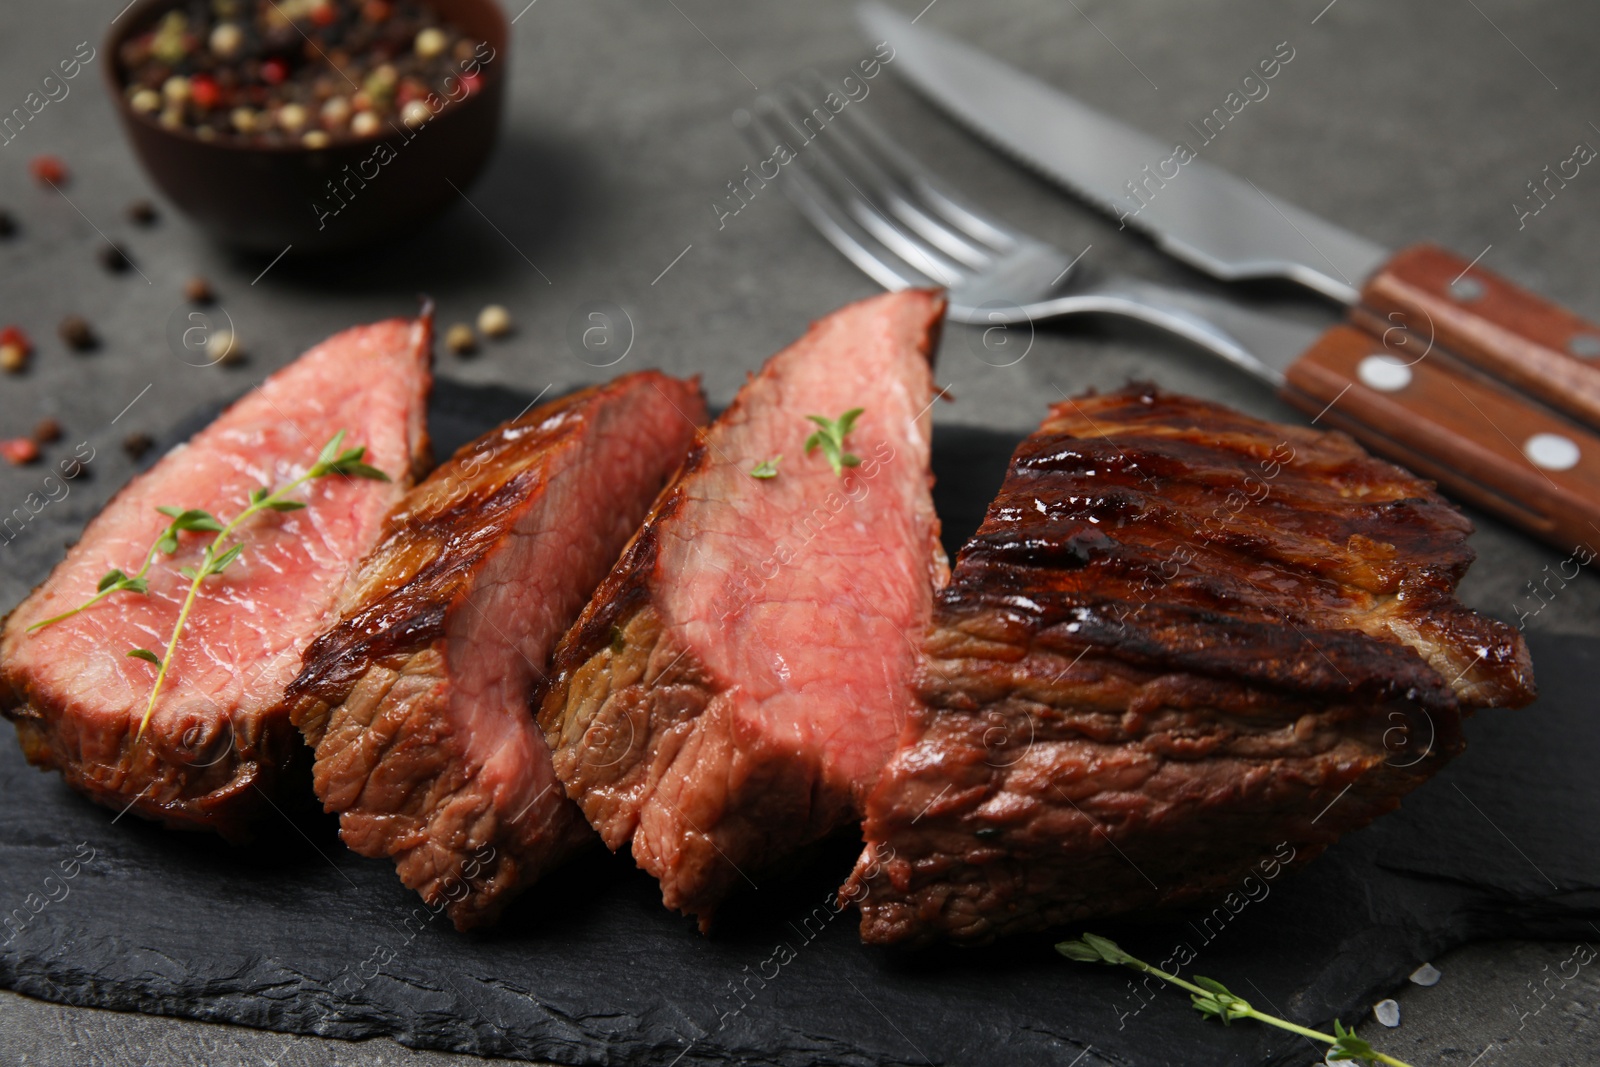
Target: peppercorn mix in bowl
[{"x": 324, "y": 124}]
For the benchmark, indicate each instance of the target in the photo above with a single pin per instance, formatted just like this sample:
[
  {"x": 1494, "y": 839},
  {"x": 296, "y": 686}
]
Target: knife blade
[
  {"x": 1231, "y": 229},
  {"x": 1204, "y": 216}
]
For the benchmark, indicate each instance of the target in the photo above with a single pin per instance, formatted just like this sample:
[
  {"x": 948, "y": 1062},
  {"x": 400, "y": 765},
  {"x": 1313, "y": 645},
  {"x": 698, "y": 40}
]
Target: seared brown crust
[
  {"x": 656, "y": 709},
  {"x": 209, "y": 774},
  {"x": 373, "y": 693},
  {"x": 1182, "y": 638},
  {"x": 431, "y": 547}
]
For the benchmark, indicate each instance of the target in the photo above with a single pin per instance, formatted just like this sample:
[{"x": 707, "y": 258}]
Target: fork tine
[
  {"x": 934, "y": 193},
  {"x": 900, "y": 199},
  {"x": 819, "y": 157},
  {"x": 871, "y": 257}
]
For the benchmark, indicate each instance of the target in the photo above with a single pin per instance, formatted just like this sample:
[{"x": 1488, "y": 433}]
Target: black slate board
[{"x": 298, "y": 934}]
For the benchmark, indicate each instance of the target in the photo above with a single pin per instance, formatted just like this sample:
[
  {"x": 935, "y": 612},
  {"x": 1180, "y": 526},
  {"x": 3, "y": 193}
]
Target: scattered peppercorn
[
  {"x": 136, "y": 445},
  {"x": 143, "y": 212},
  {"x": 460, "y": 339},
  {"x": 8, "y": 224},
  {"x": 223, "y": 347},
  {"x": 48, "y": 170},
  {"x": 114, "y": 259},
  {"x": 77, "y": 333},
  {"x": 47, "y": 431},
  {"x": 198, "y": 291},
  {"x": 15, "y": 348},
  {"x": 494, "y": 321},
  {"x": 19, "y": 450}
]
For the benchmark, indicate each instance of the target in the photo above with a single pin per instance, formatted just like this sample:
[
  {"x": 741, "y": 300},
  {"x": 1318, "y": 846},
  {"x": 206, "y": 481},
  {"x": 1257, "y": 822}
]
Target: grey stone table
[{"x": 1406, "y": 122}]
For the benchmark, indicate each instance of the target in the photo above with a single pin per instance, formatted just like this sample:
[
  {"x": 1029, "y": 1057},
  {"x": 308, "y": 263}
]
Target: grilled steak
[
  {"x": 738, "y": 681},
  {"x": 1184, "y": 642},
  {"x": 220, "y": 734},
  {"x": 417, "y": 699}
]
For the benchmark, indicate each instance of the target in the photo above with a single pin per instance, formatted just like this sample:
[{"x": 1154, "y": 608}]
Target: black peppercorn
[
  {"x": 137, "y": 444},
  {"x": 198, "y": 291},
  {"x": 114, "y": 259},
  {"x": 77, "y": 333}
]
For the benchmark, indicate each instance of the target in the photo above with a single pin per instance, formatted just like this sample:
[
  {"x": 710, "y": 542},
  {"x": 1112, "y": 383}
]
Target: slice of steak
[
  {"x": 1186, "y": 646},
  {"x": 220, "y": 734},
  {"x": 417, "y": 699},
  {"x": 736, "y": 684}
]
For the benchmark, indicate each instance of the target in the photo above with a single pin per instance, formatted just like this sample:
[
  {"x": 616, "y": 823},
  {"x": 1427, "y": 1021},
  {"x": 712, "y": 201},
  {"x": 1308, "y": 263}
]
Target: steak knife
[{"x": 1230, "y": 229}]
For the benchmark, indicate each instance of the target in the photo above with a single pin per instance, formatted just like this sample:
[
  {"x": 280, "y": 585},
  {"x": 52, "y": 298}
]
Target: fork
[{"x": 902, "y": 226}]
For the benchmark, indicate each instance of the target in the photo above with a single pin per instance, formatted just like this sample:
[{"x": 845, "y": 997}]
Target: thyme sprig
[
  {"x": 1213, "y": 1000},
  {"x": 334, "y": 458},
  {"x": 830, "y": 438}
]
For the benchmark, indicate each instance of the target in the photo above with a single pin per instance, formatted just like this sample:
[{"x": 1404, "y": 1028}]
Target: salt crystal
[
  {"x": 1387, "y": 1012},
  {"x": 1427, "y": 974}
]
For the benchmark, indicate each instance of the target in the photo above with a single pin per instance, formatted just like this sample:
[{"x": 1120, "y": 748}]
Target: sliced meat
[
  {"x": 220, "y": 733},
  {"x": 417, "y": 699},
  {"x": 736, "y": 684},
  {"x": 1184, "y": 643}
]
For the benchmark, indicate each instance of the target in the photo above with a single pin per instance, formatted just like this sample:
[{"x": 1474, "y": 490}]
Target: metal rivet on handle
[
  {"x": 1586, "y": 345},
  {"x": 1467, "y": 290},
  {"x": 1383, "y": 373},
  {"x": 1551, "y": 451}
]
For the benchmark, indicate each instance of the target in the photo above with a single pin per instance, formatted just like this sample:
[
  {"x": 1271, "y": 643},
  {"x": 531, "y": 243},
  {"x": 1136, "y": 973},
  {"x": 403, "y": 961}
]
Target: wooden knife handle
[
  {"x": 1509, "y": 333},
  {"x": 1483, "y": 443}
]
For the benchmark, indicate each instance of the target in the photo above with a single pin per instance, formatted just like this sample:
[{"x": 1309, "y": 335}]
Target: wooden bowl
[{"x": 265, "y": 198}]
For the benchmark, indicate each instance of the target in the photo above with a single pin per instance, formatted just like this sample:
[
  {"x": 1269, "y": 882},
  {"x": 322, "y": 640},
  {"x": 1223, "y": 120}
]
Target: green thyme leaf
[
  {"x": 145, "y": 654},
  {"x": 1349, "y": 1046},
  {"x": 285, "y": 505},
  {"x": 362, "y": 470},
  {"x": 1108, "y": 949},
  {"x": 110, "y": 578},
  {"x": 192, "y": 519},
  {"x": 767, "y": 468},
  {"x": 1077, "y": 950},
  {"x": 222, "y": 562},
  {"x": 830, "y": 438},
  {"x": 330, "y": 450}
]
